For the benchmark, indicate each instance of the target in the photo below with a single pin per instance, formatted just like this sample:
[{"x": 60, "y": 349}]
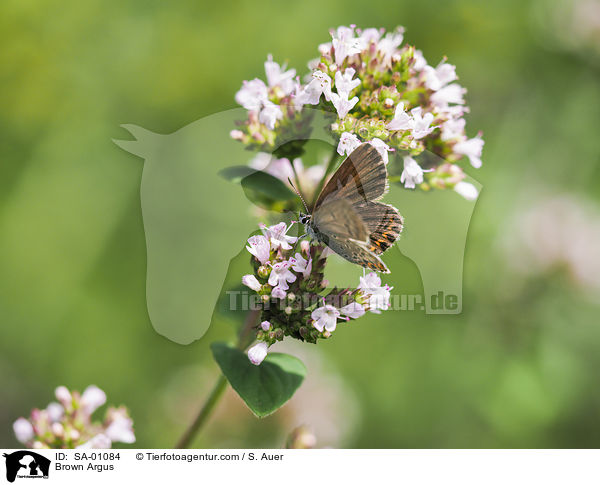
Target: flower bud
[
  {"x": 263, "y": 271},
  {"x": 258, "y": 352}
]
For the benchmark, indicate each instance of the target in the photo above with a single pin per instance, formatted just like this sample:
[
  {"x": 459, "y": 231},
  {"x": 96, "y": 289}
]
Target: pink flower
[
  {"x": 453, "y": 93},
  {"x": 92, "y": 398},
  {"x": 344, "y": 83},
  {"x": 281, "y": 275},
  {"x": 23, "y": 430},
  {"x": 353, "y": 310},
  {"x": 252, "y": 94},
  {"x": 381, "y": 148},
  {"x": 277, "y": 234},
  {"x": 311, "y": 94},
  {"x": 421, "y": 124},
  {"x": 301, "y": 265},
  {"x": 259, "y": 247},
  {"x": 120, "y": 427},
  {"x": 437, "y": 78},
  {"x": 471, "y": 148},
  {"x": 345, "y": 44},
  {"x": 342, "y": 104},
  {"x": 467, "y": 190},
  {"x": 251, "y": 282},
  {"x": 277, "y": 76},
  {"x": 270, "y": 114},
  {"x": 100, "y": 441},
  {"x": 412, "y": 175},
  {"x": 348, "y": 143},
  {"x": 401, "y": 121},
  {"x": 325, "y": 317},
  {"x": 379, "y": 296}
]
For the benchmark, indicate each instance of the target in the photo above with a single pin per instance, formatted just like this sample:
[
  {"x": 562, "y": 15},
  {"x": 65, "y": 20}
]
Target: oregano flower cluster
[
  {"x": 295, "y": 298},
  {"x": 374, "y": 88}
]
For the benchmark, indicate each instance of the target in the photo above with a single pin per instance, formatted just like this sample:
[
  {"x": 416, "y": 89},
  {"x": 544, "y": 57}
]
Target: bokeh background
[{"x": 519, "y": 366}]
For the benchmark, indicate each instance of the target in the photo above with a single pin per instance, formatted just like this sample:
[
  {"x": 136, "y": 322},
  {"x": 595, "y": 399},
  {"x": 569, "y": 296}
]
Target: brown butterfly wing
[
  {"x": 357, "y": 252},
  {"x": 361, "y": 177},
  {"x": 338, "y": 219},
  {"x": 384, "y": 224}
]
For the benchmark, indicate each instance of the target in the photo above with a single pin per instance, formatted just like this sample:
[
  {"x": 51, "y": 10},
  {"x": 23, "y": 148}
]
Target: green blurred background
[{"x": 518, "y": 368}]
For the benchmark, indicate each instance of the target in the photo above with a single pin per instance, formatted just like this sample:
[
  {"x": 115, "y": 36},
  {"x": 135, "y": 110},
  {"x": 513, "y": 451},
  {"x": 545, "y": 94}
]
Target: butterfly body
[{"x": 347, "y": 216}]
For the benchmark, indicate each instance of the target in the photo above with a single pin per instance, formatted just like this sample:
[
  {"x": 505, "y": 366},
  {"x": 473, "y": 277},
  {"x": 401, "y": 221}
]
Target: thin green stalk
[
  {"x": 204, "y": 413},
  {"x": 219, "y": 387}
]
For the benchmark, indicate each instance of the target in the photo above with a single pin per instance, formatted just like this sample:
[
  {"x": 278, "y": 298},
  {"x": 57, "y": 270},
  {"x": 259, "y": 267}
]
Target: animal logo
[{"x": 26, "y": 464}]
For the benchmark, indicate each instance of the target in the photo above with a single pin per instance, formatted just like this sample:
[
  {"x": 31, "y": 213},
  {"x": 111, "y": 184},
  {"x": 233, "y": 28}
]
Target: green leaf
[
  {"x": 237, "y": 173},
  {"x": 261, "y": 188},
  {"x": 265, "y": 387},
  {"x": 267, "y": 185}
]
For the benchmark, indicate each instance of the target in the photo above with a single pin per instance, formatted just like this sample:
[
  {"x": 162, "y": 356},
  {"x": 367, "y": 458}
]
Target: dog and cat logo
[{"x": 26, "y": 464}]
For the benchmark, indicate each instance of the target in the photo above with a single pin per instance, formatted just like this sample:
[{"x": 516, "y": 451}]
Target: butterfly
[{"x": 347, "y": 216}]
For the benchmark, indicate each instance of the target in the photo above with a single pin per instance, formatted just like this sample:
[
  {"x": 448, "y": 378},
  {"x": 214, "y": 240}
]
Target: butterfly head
[{"x": 304, "y": 218}]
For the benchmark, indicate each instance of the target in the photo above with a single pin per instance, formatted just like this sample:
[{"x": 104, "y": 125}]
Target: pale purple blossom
[
  {"x": 389, "y": 44},
  {"x": 301, "y": 265},
  {"x": 421, "y": 123},
  {"x": 251, "y": 282},
  {"x": 344, "y": 82},
  {"x": 342, "y": 104},
  {"x": 266, "y": 325},
  {"x": 277, "y": 234},
  {"x": 99, "y": 441},
  {"x": 348, "y": 143},
  {"x": 453, "y": 128},
  {"x": 402, "y": 120},
  {"x": 252, "y": 95},
  {"x": 64, "y": 396},
  {"x": 453, "y": 93},
  {"x": 412, "y": 175},
  {"x": 379, "y": 296},
  {"x": 370, "y": 35},
  {"x": 382, "y": 148},
  {"x": 281, "y": 275},
  {"x": 55, "y": 411},
  {"x": 311, "y": 94},
  {"x": 259, "y": 247},
  {"x": 277, "y": 76},
  {"x": 270, "y": 114},
  {"x": 121, "y": 427},
  {"x": 471, "y": 148},
  {"x": 92, "y": 398},
  {"x": 345, "y": 44},
  {"x": 353, "y": 310},
  {"x": 467, "y": 190},
  {"x": 258, "y": 352},
  {"x": 437, "y": 78},
  {"x": 278, "y": 293},
  {"x": 325, "y": 318},
  {"x": 420, "y": 61},
  {"x": 23, "y": 430}
]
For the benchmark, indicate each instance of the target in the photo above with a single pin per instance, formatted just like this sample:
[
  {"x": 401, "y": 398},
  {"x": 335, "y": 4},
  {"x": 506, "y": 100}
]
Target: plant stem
[
  {"x": 204, "y": 413},
  {"x": 219, "y": 387}
]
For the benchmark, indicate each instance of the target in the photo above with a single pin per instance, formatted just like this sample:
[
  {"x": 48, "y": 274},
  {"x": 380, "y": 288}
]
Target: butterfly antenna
[{"x": 299, "y": 194}]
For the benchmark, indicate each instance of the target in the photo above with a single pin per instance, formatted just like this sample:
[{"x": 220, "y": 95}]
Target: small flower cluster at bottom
[
  {"x": 68, "y": 422},
  {"x": 294, "y": 297}
]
